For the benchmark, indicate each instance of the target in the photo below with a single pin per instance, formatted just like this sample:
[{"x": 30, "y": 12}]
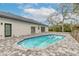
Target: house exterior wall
[
  {"x": 19, "y": 28},
  {"x": 46, "y": 29}
]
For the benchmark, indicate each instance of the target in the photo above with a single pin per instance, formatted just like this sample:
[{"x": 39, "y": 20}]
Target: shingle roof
[{"x": 20, "y": 18}]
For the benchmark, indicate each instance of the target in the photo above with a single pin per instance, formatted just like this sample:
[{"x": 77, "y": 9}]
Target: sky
[{"x": 36, "y": 11}]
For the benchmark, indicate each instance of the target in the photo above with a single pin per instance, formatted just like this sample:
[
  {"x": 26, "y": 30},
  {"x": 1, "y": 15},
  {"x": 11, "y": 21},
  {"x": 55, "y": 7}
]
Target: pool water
[{"x": 40, "y": 41}]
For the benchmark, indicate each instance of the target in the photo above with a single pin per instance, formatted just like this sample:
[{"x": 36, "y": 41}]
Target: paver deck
[{"x": 67, "y": 47}]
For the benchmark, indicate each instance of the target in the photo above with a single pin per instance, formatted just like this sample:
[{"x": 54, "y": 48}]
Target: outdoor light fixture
[{"x": 1, "y": 23}]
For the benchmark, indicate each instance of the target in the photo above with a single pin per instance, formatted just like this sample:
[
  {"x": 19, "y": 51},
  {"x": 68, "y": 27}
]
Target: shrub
[
  {"x": 67, "y": 28},
  {"x": 58, "y": 28}
]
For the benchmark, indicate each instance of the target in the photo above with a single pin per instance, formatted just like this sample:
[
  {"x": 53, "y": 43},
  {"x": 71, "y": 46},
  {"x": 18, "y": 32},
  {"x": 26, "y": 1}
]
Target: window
[{"x": 42, "y": 29}]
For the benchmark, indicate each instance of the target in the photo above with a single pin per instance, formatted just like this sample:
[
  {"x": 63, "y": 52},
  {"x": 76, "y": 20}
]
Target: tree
[
  {"x": 76, "y": 8},
  {"x": 53, "y": 19},
  {"x": 67, "y": 11},
  {"x": 65, "y": 8},
  {"x": 76, "y": 11}
]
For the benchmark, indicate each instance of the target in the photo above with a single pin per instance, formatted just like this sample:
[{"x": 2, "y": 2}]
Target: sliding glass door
[
  {"x": 32, "y": 29},
  {"x": 8, "y": 30}
]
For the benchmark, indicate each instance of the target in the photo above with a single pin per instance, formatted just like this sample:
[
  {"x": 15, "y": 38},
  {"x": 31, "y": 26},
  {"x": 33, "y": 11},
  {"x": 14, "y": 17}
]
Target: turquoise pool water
[{"x": 40, "y": 41}]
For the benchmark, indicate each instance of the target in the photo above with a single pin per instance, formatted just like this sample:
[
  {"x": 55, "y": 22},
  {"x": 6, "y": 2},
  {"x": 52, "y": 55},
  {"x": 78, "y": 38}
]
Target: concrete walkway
[{"x": 67, "y": 47}]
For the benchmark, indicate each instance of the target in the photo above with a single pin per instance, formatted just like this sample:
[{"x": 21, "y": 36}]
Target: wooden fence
[{"x": 75, "y": 34}]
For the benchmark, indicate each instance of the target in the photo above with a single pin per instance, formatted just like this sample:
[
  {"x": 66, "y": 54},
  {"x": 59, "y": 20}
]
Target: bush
[
  {"x": 67, "y": 28},
  {"x": 55, "y": 28},
  {"x": 58, "y": 28}
]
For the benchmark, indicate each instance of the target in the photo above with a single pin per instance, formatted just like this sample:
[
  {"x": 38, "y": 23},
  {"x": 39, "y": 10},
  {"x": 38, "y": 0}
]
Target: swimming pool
[{"x": 40, "y": 41}]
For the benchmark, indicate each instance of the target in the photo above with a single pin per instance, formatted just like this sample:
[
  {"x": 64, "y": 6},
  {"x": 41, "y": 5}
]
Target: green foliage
[
  {"x": 58, "y": 28},
  {"x": 67, "y": 28},
  {"x": 76, "y": 27},
  {"x": 76, "y": 8}
]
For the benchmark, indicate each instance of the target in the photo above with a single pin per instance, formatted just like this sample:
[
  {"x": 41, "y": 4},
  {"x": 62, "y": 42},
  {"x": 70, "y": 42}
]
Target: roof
[{"x": 19, "y": 18}]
